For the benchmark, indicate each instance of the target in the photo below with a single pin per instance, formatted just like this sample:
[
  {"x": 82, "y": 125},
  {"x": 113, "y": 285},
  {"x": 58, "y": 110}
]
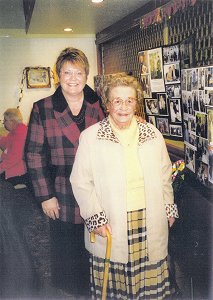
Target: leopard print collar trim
[{"x": 105, "y": 132}]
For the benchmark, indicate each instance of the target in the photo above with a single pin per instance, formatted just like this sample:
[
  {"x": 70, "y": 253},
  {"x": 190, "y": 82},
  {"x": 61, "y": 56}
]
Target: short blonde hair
[
  {"x": 74, "y": 56},
  {"x": 116, "y": 80},
  {"x": 13, "y": 114}
]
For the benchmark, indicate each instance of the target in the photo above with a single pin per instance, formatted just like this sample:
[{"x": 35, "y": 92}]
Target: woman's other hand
[
  {"x": 51, "y": 208},
  {"x": 102, "y": 230}
]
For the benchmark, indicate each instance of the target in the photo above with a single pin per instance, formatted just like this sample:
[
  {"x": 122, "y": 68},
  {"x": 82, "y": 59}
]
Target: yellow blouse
[{"x": 128, "y": 138}]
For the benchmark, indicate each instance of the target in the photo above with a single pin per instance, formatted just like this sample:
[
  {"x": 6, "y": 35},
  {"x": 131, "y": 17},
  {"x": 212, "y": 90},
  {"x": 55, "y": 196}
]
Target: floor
[{"x": 190, "y": 255}]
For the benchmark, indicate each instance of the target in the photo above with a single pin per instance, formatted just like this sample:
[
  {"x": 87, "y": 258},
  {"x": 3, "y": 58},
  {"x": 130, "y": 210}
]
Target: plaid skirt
[{"x": 138, "y": 279}]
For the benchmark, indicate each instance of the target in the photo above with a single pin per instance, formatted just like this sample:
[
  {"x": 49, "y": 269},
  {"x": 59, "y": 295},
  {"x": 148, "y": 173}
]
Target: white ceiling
[{"x": 52, "y": 16}]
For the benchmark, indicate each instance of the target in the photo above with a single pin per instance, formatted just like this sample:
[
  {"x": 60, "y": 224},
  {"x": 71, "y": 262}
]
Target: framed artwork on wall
[{"x": 38, "y": 77}]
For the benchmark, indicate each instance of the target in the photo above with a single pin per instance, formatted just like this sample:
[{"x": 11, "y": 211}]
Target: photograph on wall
[
  {"x": 209, "y": 78},
  {"x": 151, "y": 120},
  {"x": 38, "y": 77},
  {"x": 195, "y": 100},
  {"x": 190, "y": 158},
  {"x": 191, "y": 141},
  {"x": 194, "y": 79},
  {"x": 201, "y": 125},
  {"x": 201, "y": 78},
  {"x": 156, "y": 70},
  {"x": 173, "y": 90},
  {"x": 209, "y": 97},
  {"x": 192, "y": 124},
  {"x": 210, "y": 171},
  {"x": 162, "y": 104},
  {"x": 175, "y": 111},
  {"x": 202, "y": 150},
  {"x": 171, "y": 54},
  {"x": 202, "y": 172},
  {"x": 201, "y": 101},
  {"x": 144, "y": 63},
  {"x": 187, "y": 102},
  {"x": 210, "y": 142},
  {"x": 163, "y": 125},
  {"x": 175, "y": 130},
  {"x": 151, "y": 106},
  {"x": 186, "y": 130},
  {"x": 172, "y": 73},
  {"x": 210, "y": 126},
  {"x": 184, "y": 80},
  {"x": 146, "y": 87},
  {"x": 189, "y": 80}
]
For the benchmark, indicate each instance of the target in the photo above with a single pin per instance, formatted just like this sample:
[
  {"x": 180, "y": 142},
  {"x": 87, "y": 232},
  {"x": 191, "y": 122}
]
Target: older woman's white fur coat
[{"x": 98, "y": 181}]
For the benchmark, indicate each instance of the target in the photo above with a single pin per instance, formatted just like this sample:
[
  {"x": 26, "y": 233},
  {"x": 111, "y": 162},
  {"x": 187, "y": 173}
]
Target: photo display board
[
  {"x": 178, "y": 100},
  {"x": 160, "y": 79},
  {"x": 197, "y": 98}
]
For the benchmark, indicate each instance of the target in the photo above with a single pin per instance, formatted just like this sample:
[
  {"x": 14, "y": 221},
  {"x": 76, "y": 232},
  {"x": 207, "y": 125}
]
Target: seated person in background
[{"x": 12, "y": 165}]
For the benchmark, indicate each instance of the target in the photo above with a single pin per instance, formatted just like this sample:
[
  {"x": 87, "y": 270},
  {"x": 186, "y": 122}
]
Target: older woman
[
  {"x": 52, "y": 141},
  {"x": 121, "y": 179},
  {"x": 12, "y": 165}
]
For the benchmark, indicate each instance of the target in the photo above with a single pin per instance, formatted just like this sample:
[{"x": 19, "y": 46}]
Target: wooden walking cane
[{"x": 106, "y": 261}]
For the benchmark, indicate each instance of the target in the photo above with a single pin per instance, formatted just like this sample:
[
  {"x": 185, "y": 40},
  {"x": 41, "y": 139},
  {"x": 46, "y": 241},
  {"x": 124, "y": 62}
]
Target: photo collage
[
  {"x": 160, "y": 78},
  {"x": 178, "y": 100},
  {"x": 197, "y": 99}
]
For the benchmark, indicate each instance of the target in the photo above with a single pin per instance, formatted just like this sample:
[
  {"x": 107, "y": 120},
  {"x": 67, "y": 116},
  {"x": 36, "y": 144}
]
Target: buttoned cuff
[
  {"x": 172, "y": 211},
  {"x": 96, "y": 221}
]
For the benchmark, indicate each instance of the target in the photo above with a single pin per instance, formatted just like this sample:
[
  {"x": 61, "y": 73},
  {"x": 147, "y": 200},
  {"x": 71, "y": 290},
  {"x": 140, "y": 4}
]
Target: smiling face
[
  {"x": 122, "y": 105},
  {"x": 72, "y": 79}
]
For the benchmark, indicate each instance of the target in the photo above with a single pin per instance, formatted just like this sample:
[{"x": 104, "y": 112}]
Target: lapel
[{"x": 63, "y": 116}]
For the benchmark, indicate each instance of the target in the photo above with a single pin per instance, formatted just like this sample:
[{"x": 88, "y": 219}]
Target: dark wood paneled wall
[{"x": 119, "y": 44}]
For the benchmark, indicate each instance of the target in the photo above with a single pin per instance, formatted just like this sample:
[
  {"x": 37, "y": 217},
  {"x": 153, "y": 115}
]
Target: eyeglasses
[
  {"x": 76, "y": 74},
  {"x": 118, "y": 102}
]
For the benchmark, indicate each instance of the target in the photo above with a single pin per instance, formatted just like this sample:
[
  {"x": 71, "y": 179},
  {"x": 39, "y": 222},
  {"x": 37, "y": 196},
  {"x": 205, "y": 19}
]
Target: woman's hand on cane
[{"x": 102, "y": 230}]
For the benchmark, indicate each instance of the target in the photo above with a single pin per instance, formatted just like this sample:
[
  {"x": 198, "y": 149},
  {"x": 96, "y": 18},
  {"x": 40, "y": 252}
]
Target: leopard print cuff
[
  {"x": 96, "y": 221},
  {"x": 172, "y": 211}
]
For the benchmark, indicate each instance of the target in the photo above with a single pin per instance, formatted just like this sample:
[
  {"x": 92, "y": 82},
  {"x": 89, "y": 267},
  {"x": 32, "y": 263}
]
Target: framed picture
[
  {"x": 176, "y": 130},
  {"x": 146, "y": 87},
  {"x": 151, "y": 106},
  {"x": 163, "y": 125},
  {"x": 172, "y": 73},
  {"x": 38, "y": 77},
  {"x": 171, "y": 54},
  {"x": 175, "y": 111},
  {"x": 190, "y": 158},
  {"x": 173, "y": 90},
  {"x": 143, "y": 59},
  {"x": 151, "y": 120},
  {"x": 162, "y": 104}
]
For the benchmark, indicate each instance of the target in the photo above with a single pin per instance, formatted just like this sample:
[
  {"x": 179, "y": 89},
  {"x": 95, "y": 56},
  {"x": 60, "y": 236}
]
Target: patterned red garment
[
  {"x": 51, "y": 146},
  {"x": 12, "y": 158}
]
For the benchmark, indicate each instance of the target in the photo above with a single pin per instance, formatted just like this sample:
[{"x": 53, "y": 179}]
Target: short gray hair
[
  {"x": 115, "y": 80},
  {"x": 13, "y": 114}
]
